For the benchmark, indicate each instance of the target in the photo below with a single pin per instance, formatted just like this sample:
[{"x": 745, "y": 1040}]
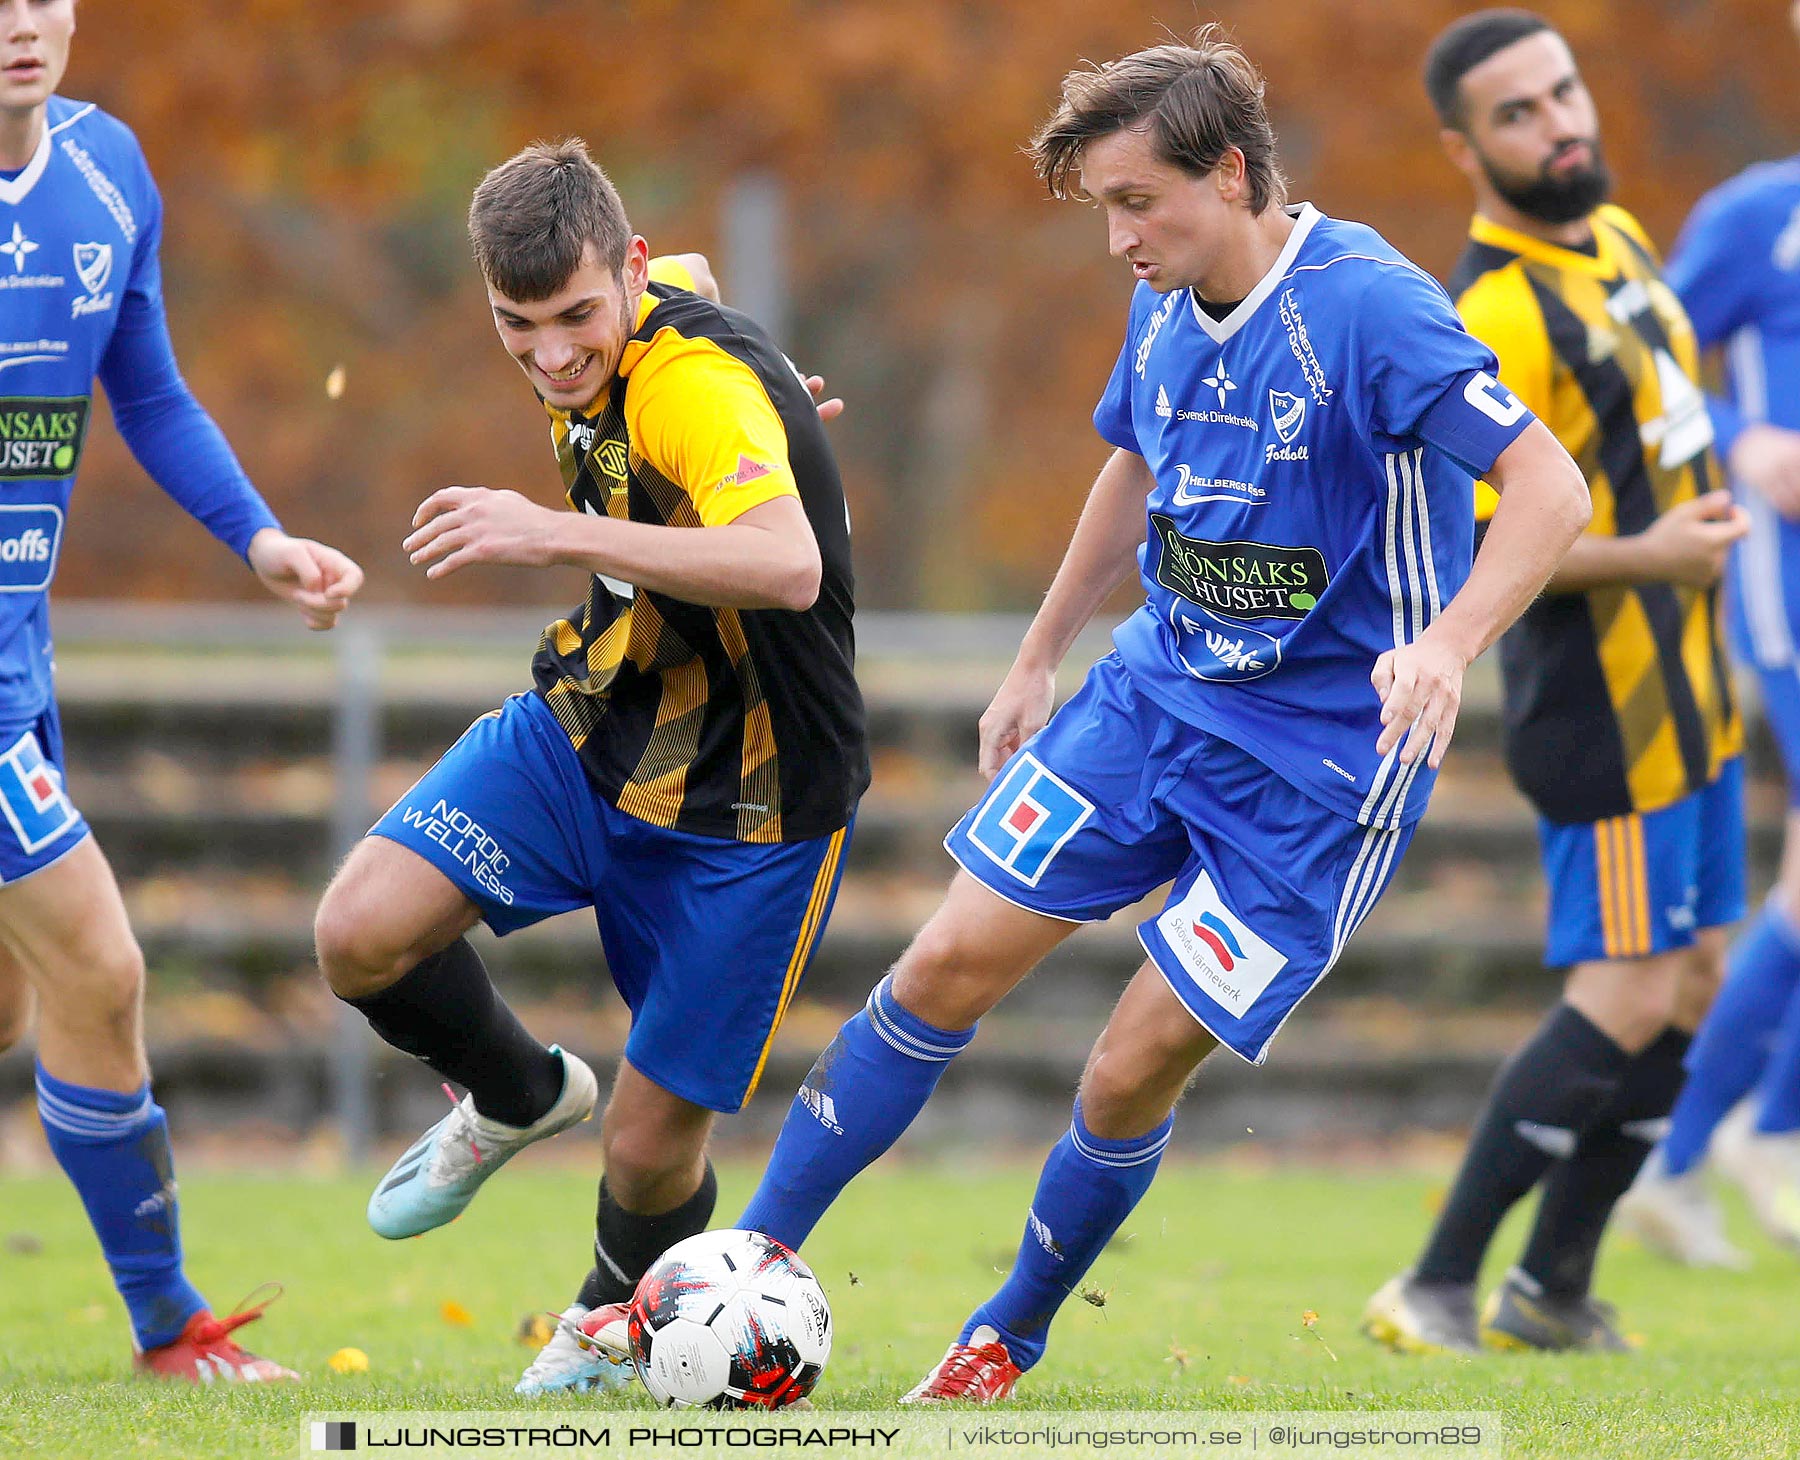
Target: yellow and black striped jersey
[
  {"x": 739, "y": 723},
  {"x": 1618, "y": 699}
]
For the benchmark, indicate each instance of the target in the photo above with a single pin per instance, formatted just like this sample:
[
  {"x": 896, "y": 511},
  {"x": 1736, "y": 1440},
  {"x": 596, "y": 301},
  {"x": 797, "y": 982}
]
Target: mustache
[{"x": 1569, "y": 148}]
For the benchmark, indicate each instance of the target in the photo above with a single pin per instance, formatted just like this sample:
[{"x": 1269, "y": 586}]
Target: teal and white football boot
[{"x": 442, "y": 1170}]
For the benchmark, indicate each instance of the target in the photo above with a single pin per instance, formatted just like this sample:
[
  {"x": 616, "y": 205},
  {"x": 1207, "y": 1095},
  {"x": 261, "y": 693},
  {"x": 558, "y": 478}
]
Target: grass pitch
[{"x": 1203, "y": 1301}]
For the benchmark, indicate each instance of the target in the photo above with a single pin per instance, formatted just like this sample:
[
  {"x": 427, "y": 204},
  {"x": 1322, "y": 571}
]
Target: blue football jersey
[
  {"x": 1736, "y": 267},
  {"x": 1314, "y": 455},
  {"x": 80, "y": 300}
]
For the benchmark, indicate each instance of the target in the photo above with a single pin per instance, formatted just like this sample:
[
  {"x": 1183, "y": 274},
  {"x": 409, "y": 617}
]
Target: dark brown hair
[
  {"x": 1464, "y": 46},
  {"x": 534, "y": 215},
  {"x": 1197, "y": 101}
]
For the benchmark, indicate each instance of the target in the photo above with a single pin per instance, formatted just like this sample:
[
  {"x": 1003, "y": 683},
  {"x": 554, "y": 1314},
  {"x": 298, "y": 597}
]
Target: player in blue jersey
[
  {"x": 80, "y": 299},
  {"x": 1296, "y": 417},
  {"x": 1737, "y": 270}
]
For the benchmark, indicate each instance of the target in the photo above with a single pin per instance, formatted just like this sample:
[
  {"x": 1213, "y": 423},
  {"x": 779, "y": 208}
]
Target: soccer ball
[{"x": 729, "y": 1320}]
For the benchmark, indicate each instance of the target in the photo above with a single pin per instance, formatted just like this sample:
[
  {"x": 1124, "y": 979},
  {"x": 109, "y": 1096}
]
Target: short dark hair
[
  {"x": 534, "y": 215},
  {"x": 1199, "y": 101},
  {"x": 1463, "y": 47}
]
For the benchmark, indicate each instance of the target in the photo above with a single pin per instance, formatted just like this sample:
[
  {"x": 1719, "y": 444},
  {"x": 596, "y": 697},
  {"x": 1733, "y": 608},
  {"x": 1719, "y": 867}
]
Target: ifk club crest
[
  {"x": 1288, "y": 412},
  {"x": 93, "y": 266}
]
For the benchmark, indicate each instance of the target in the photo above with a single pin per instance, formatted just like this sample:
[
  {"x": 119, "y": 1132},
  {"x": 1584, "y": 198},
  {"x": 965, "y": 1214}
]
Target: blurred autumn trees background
[{"x": 316, "y": 160}]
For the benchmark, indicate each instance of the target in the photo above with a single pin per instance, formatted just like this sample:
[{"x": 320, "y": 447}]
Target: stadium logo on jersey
[
  {"x": 93, "y": 266},
  {"x": 1225, "y": 958},
  {"x": 41, "y": 436},
  {"x": 1301, "y": 344},
  {"x": 1243, "y": 580},
  {"x": 1190, "y": 489},
  {"x": 1163, "y": 408},
  {"x": 1288, "y": 413},
  {"x": 1157, "y": 321},
  {"x": 32, "y": 795},
  {"x": 1027, "y": 818}
]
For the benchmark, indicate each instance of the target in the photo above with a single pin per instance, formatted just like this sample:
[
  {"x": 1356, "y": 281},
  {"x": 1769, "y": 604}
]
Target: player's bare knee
[
  {"x": 646, "y": 1158},
  {"x": 1702, "y": 975},
  {"x": 348, "y": 946},
  {"x": 111, "y": 985},
  {"x": 15, "y": 1014},
  {"x": 946, "y": 978}
]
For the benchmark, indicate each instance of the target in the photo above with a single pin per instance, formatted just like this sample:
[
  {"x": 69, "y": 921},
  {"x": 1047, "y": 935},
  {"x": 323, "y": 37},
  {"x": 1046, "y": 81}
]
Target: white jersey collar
[
  {"x": 13, "y": 190},
  {"x": 1304, "y": 216}
]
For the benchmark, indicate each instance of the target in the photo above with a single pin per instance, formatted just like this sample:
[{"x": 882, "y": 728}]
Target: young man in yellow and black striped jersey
[
  {"x": 1620, "y": 725},
  {"x": 688, "y": 764}
]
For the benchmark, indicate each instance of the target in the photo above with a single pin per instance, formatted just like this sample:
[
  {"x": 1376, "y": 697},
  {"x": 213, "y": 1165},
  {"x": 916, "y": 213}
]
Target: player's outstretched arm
[
  {"x": 318, "y": 580},
  {"x": 766, "y": 557},
  {"x": 1102, "y": 554},
  {"x": 1544, "y": 506}
]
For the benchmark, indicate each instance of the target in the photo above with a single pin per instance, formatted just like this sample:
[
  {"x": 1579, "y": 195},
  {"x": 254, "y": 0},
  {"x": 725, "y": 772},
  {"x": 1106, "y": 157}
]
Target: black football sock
[
  {"x": 625, "y": 1243},
  {"x": 1581, "y": 1193},
  {"x": 1542, "y": 1099},
  {"x": 447, "y": 1012}
]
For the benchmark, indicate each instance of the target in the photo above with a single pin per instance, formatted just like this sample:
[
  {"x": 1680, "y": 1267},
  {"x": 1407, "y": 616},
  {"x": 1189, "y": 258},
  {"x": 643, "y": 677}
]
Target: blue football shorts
[
  {"x": 42, "y": 824},
  {"x": 706, "y": 938},
  {"x": 1645, "y": 883},
  {"x": 1116, "y": 796}
]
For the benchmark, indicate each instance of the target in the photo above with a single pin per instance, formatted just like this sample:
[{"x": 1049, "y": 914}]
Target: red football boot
[
  {"x": 605, "y": 1331},
  {"x": 970, "y": 1373},
  {"x": 207, "y": 1353}
]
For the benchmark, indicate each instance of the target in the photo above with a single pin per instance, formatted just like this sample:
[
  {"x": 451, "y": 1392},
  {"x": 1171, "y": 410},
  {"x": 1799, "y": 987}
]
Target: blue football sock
[
  {"x": 115, "y": 1148},
  {"x": 1778, "y": 1111},
  {"x": 861, "y": 1094},
  {"x": 1088, "y": 1188},
  {"x": 1732, "y": 1047}
]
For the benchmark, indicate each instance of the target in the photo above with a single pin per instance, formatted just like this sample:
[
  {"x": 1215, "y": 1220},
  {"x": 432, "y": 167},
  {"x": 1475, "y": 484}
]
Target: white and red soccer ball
[{"x": 729, "y": 1320}]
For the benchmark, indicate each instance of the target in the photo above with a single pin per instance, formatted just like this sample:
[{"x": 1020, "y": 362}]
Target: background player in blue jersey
[
  {"x": 80, "y": 298},
  {"x": 1737, "y": 270},
  {"x": 1296, "y": 415}
]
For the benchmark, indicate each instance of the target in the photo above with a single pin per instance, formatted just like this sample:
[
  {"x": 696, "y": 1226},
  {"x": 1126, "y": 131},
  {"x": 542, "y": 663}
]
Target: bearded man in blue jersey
[
  {"x": 1296, "y": 418},
  {"x": 80, "y": 298}
]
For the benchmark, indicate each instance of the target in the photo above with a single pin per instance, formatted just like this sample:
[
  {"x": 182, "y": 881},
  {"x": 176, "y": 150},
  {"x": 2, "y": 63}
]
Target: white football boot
[
  {"x": 1676, "y": 1217},
  {"x": 1767, "y": 1168},
  {"x": 574, "y": 1362},
  {"x": 442, "y": 1170}
]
